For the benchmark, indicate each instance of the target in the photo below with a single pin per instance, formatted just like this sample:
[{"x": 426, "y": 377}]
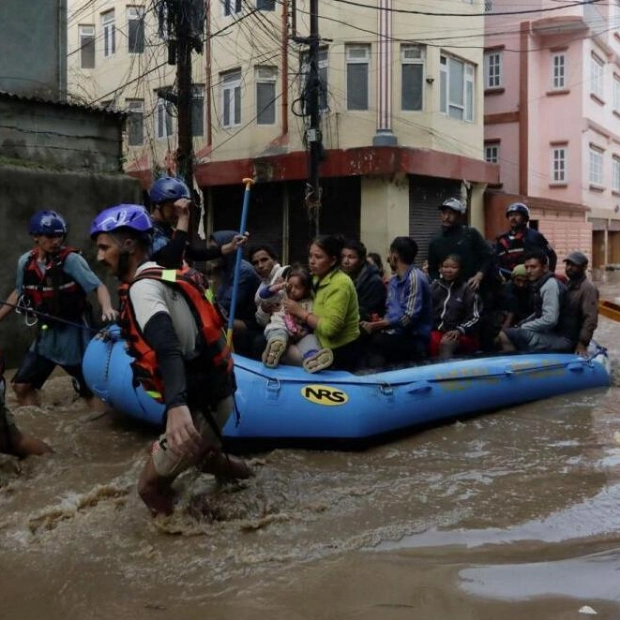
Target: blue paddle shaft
[{"x": 239, "y": 255}]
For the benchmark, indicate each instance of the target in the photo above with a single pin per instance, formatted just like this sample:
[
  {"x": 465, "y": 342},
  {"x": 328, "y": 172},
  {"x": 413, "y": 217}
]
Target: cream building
[{"x": 401, "y": 109}]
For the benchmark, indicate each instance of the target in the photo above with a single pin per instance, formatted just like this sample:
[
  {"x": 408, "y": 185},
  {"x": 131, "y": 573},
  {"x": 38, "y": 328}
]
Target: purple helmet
[
  {"x": 135, "y": 217},
  {"x": 168, "y": 188},
  {"x": 47, "y": 223}
]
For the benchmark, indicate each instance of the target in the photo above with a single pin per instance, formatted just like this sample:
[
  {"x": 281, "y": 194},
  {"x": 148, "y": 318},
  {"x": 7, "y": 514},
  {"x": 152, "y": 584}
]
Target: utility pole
[
  {"x": 313, "y": 134},
  {"x": 312, "y": 99},
  {"x": 185, "y": 149}
]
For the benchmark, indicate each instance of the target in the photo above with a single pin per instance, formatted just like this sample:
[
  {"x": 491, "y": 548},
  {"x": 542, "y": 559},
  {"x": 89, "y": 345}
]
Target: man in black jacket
[
  {"x": 465, "y": 241},
  {"x": 369, "y": 286}
]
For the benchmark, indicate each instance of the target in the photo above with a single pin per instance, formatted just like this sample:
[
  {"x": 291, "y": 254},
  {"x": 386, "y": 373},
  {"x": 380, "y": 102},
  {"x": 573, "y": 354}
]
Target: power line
[{"x": 414, "y": 12}]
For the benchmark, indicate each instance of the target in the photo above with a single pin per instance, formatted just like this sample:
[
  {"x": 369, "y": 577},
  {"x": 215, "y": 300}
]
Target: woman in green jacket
[{"x": 334, "y": 318}]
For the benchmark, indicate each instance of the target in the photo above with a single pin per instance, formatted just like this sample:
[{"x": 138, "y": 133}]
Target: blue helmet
[
  {"x": 47, "y": 223},
  {"x": 168, "y": 188},
  {"x": 130, "y": 216},
  {"x": 518, "y": 207}
]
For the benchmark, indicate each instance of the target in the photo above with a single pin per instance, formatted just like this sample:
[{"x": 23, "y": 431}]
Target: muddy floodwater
[{"x": 507, "y": 516}]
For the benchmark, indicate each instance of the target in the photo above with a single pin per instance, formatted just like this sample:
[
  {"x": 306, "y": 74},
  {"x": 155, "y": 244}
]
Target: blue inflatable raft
[{"x": 288, "y": 406}]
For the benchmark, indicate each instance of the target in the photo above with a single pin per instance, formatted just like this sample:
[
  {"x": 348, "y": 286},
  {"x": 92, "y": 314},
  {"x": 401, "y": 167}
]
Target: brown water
[{"x": 512, "y": 515}]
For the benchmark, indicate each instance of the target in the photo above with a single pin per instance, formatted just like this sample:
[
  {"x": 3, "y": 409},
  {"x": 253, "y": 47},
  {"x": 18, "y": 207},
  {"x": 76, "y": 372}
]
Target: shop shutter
[
  {"x": 265, "y": 210},
  {"x": 340, "y": 214}
]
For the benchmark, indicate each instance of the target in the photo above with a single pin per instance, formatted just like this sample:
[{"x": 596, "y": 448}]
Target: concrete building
[
  {"x": 33, "y": 60},
  {"x": 401, "y": 110},
  {"x": 552, "y": 120}
]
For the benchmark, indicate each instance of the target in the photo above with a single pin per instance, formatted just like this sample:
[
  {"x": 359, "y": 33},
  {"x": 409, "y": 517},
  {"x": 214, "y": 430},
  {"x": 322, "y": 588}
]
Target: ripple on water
[{"x": 589, "y": 577}]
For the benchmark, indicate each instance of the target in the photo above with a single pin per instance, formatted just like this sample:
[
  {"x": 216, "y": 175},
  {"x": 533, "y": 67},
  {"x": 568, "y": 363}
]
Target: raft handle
[
  {"x": 273, "y": 388},
  {"x": 386, "y": 390},
  {"x": 421, "y": 387},
  {"x": 576, "y": 367}
]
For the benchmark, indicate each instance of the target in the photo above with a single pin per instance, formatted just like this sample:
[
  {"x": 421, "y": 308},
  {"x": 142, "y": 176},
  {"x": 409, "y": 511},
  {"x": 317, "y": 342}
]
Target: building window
[
  {"x": 456, "y": 95},
  {"x": 323, "y": 73},
  {"x": 232, "y": 7},
  {"x": 597, "y": 69},
  {"x": 198, "y": 110},
  {"x": 231, "y": 98},
  {"x": 491, "y": 153},
  {"x": 596, "y": 166},
  {"x": 616, "y": 173},
  {"x": 109, "y": 33},
  {"x": 493, "y": 70},
  {"x": 558, "y": 71},
  {"x": 135, "y": 122},
  {"x": 87, "y": 46},
  {"x": 616, "y": 87},
  {"x": 358, "y": 83},
  {"x": 412, "y": 77},
  {"x": 163, "y": 119},
  {"x": 135, "y": 29},
  {"x": 266, "y": 5},
  {"x": 266, "y": 95},
  {"x": 558, "y": 165}
]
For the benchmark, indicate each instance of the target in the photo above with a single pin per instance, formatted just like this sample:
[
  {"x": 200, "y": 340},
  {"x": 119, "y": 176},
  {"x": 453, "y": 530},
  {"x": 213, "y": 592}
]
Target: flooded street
[{"x": 511, "y": 515}]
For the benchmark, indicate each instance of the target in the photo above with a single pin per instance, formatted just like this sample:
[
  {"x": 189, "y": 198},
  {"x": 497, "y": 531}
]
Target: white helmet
[{"x": 455, "y": 204}]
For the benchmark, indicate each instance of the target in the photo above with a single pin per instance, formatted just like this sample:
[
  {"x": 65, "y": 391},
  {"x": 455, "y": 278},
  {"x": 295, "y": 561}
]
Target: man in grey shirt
[{"x": 546, "y": 329}]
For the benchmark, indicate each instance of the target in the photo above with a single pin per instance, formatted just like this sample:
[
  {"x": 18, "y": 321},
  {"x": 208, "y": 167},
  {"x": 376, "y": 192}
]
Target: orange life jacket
[
  {"x": 218, "y": 362},
  {"x": 53, "y": 292}
]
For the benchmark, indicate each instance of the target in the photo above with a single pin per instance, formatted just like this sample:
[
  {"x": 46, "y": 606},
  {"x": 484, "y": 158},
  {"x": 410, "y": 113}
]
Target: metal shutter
[
  {"x": 340, "y": 214},
  {"x": 264, "y": 213}
]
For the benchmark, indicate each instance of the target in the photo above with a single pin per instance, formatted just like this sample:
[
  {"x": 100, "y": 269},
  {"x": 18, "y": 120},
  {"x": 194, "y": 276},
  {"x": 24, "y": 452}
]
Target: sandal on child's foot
[
  {"x": 319, "y": 360},
  {"x": 274, "y": 351}
]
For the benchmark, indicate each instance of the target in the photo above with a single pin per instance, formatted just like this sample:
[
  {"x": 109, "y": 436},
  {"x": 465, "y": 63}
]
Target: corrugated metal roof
[{"x": 62, "y": 104}]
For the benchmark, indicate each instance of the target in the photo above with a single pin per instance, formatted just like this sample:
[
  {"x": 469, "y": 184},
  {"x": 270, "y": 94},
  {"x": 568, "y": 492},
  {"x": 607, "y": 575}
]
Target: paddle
[
  {"x": 242, "y": 227},
  {"x": 609, "y": 309}
]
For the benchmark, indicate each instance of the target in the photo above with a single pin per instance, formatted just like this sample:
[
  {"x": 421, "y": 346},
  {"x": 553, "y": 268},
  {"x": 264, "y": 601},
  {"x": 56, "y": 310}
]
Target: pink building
[{"x": 552, "y": 120}]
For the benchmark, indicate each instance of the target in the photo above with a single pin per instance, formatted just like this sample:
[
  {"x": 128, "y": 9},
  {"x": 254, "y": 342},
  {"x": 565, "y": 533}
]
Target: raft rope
[{"x": 27, "y": 311}]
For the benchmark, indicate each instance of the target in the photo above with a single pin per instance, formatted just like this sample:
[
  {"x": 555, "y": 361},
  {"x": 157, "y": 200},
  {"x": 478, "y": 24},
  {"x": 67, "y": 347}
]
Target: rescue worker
[
  {"x": 52, "y": 284},
  {"x": 170, "y": 212},
  {"x": 511, "y": 247},
  {"x": 582, "y": 300},
  {"x": 181, "y": 356},
  {"x": 12, "y": 440}
]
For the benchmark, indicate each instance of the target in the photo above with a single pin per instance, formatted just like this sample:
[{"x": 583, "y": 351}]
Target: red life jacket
[
  {"x": 512, "y": 249},
  {"x": 218, "y": 362},
  {"x": 53, "y": 292}
]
